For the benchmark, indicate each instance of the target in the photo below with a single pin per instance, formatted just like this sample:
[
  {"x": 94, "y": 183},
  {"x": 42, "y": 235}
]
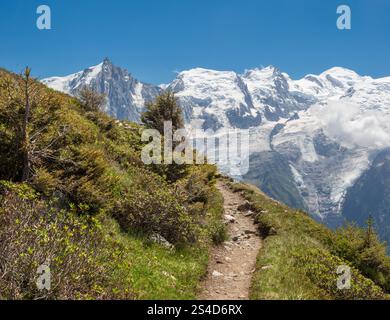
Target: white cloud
[{"x": 352, "y": 124}]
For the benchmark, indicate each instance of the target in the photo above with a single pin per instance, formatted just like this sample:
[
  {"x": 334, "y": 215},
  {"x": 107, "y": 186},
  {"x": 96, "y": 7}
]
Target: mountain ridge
[
  {"x": 126, "y": 96},
  {"x": 324, "y": 129}
]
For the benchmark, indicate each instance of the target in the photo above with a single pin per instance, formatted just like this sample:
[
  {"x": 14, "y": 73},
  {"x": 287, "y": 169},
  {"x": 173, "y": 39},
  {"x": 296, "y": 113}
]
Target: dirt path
[{"x": 232, "y": 264}]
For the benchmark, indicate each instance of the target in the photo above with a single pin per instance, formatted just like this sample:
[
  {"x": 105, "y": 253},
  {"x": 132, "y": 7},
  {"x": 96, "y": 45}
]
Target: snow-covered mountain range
[{"x": 312, "y": 139}]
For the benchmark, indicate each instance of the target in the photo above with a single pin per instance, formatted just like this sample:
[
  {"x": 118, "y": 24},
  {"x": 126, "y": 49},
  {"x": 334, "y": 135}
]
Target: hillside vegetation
[
  {"x": 76, "y": 197},
  {"x": 106, "y": 224},
  {"x": 300, "y": 257}
]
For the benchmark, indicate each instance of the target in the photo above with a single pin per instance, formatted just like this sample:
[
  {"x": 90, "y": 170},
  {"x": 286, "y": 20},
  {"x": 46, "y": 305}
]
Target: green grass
[
  {"x": 155, "y": 272},
  {"x": 295, "y": 261},
  {"x": 216, "y": 228}
]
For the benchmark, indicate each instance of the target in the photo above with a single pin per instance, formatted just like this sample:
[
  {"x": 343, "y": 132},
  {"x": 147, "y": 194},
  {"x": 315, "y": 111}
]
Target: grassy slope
[
  {"x": 95, "y": 167},
  {"x": 295, "y": 261},
  {"x": 154, "y": 272}
]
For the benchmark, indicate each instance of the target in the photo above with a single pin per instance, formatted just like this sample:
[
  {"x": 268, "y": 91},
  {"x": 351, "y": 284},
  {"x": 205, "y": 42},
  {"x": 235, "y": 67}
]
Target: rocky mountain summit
[{"x": 126, "y": 96}]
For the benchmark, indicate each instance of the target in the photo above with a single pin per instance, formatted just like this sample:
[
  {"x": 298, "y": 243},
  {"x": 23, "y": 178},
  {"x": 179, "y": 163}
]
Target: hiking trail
[{"x": 232, "y": 264}]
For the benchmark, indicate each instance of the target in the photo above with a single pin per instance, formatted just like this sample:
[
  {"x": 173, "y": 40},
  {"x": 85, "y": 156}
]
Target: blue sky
[{"x": 155, "y": 38}]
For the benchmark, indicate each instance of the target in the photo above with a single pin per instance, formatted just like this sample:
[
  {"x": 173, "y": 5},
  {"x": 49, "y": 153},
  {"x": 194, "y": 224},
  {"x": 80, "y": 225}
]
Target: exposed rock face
[{"x": 126, "y": 96}]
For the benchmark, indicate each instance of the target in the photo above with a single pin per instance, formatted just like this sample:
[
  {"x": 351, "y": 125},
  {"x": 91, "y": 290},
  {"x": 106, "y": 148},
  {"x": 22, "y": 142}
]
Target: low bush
[
  {"x": 368, "y": 255},
  {"x": 150, "y": 207},
  {"x": 33, "y": 234},
  {"x": 321, "y": 267},
  {"x": 203, "y": 201}
]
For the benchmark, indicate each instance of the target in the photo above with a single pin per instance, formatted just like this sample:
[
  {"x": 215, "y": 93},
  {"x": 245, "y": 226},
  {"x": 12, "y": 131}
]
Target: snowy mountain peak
[
  {"x": 91, "y": 73},
  {"x": 334, "y": 82},
  {"x": 205, "y": 74},
  {"x": 217, "y": 98},
  {"x": 340, "y": 72},
  {"x": 107, "y": 65},
  {"x": 126, "y": 96},
  {"x": 107, "y": 61},
  {"x": 262, "y": 73}
]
